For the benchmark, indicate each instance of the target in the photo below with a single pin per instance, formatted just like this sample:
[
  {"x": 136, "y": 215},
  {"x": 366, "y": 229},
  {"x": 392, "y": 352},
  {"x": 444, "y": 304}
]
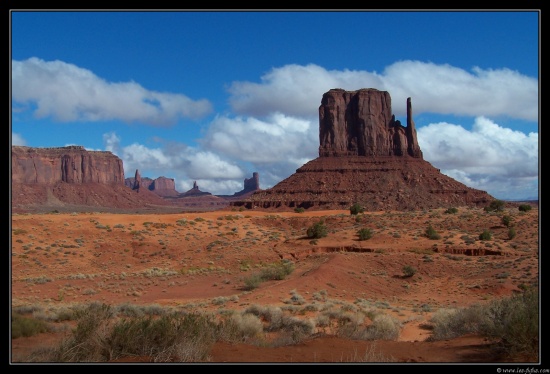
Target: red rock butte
[{"x": 368, "y": 157}]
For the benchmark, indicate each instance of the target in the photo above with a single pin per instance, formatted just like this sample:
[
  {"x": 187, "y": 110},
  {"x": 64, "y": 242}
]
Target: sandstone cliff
[
  {"x": 361, "y": 123},
  {"x": 71, "y": 164}
]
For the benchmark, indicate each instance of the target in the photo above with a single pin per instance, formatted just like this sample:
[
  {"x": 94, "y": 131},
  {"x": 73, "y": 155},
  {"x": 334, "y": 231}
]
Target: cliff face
[
  {"x": 366, "y": 157},
  {"x": 71, "y": 164},
  {"x": 361, "y": 123}
]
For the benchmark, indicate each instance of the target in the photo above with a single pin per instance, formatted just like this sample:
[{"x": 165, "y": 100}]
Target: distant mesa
[
  {"x": 366, "y": 156},
  {"x": 195, "y": 191},
  {"x": 162, "y": 186}
]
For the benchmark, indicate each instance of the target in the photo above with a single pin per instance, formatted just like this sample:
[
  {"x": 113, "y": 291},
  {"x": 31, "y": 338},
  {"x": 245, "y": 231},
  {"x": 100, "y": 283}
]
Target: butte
[{"x": 368, "y": 157}]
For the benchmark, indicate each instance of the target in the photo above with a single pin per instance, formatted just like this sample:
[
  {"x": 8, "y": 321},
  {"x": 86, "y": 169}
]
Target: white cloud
[
  {"x": 490, "y": 157},
  {"x": 17, "y": 139},
  {"x": 278, "y": 138},
  {"x": 70, "y": 93},
  {"x": 182, "y": 163},
  {"x": 205, "y": 165},
  {"x": 297, "y": 90}
]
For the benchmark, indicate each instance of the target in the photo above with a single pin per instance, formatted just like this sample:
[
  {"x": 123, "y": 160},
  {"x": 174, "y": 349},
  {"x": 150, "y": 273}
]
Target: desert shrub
[
  {"x": 99, "y": 337},
  {"x": 495, "y": 206},
  {"x": 364, "y": 234},
  {"x": 432, "y": 234},
  {"x": 513, "y": 322},
  {"x": 299, "y": 210},
  {"x": 247, "y": 325},
  {"x": 277, "y": 271},
  {"x": 451, "y": 211},
  {"x": 355, "y": 209},
  {"x": 383, "y": 327},
  {"x": 26, "y": 326},
  {"x": 317, "y": 230},
  {"x": 506, "y": 220},
  {"x": 409, "y": 271},
  {"x": 452, "y": 323},
  {"x": 511, "y": 233},
  {"x": 525, "y": 207},
  {"x": 485, "y": 235},
  {"x": 252, "y": 282}
]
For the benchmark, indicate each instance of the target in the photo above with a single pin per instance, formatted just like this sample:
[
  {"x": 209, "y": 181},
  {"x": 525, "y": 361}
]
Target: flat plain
[{"x": 204, "y": 261}]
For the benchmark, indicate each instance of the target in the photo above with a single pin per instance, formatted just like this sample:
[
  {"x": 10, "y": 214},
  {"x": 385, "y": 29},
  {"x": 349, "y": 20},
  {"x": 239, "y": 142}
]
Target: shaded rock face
[
  {"x": 72, "y": 164},
  {"x": 365, "y": 157},
  {"x": 163, "y": 186},
  {"x": 137, "y": 181},
  {"x": 250, "y": 186},
  {"x": 361, "y": 123}
]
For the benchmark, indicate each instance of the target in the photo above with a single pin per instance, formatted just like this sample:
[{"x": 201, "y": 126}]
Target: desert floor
[{"x": 200, "y": 260}]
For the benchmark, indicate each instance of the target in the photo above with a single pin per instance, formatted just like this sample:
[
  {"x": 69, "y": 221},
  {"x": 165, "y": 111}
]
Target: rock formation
[
  {"x": 72, "y": 164},
  {"x": 195, "y": 191},
  {"x": 250, "y": 186},
  {"x": 72, "y": 178},
  {"x": 366, "y": 156}
]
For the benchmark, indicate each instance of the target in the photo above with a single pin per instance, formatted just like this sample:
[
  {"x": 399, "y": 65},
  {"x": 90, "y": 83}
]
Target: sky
[{"x": 213, "y": 96}]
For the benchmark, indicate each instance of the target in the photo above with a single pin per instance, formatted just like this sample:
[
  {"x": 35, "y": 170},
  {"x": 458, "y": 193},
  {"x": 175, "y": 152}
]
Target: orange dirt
[{"x": 193, "y": 258}]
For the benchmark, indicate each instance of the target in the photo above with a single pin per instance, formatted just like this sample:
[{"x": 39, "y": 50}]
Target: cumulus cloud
[
  {"x": 17, "y": 139},
  {"x": 178, "y": 161},
  {"x": 297, "y": 90},
  {"x": 67, "y": 92},
  {"x": 276, "y": 138},
  {"x": 489, "y": 157}
]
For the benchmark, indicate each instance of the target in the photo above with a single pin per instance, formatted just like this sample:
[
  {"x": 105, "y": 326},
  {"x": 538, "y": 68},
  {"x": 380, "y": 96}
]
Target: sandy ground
[{"x": 203, "y": 258}]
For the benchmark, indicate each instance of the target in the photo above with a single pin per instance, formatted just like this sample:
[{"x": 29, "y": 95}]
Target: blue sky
[{"x": 214, "y": 96}]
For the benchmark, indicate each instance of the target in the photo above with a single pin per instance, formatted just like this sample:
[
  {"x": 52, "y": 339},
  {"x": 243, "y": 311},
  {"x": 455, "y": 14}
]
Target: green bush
[
  {"x": 299, "y": 210},
  {"x": 276, "y": 271},
  {"x": 364, "y": 234},
  {"x": 506, "y": 221},
  {"x": 355, "y": 209},
  {"x": 511, "y": 233},
  {"x": 495, "y": 206},
  {"x": 26, "y": 326},
  {"x": 432, "y": 234},
  {"x": 451, "y": 211},
  {"x": 485, "y": 235},
  {"x": 317, "y": 230},
  {"x": 524, "y": 207},
  {"x": 408, "y": 271}
]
